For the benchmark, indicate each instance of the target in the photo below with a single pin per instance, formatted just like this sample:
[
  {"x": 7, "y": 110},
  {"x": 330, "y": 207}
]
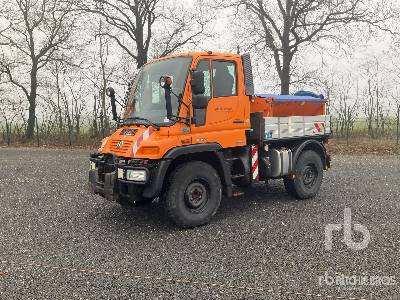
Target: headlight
[
  {"x": 92, "y": 165},
  {"x": 136, "y": 175}
]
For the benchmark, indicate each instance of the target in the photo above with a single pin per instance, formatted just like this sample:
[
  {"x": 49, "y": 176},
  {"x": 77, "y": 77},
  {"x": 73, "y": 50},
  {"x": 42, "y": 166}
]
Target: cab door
[
  {"x": 223, "y": 104},
  {"x": 223, "y": 120}
]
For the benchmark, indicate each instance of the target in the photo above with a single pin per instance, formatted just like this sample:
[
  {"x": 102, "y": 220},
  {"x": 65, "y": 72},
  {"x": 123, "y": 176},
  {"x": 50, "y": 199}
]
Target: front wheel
[
  {"x": 308, "y": 176},
  {"x": 194, "y": 194}
]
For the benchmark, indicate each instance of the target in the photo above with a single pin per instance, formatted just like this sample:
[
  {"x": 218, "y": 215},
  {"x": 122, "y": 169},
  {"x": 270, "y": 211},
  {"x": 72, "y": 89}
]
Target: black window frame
[
  {"x": 211, "y": 74},
  {"x": 236, "y": 78}
]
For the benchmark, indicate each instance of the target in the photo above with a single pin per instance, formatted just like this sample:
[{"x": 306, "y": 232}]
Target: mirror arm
[
  {"x": 111, "y": 93},
  {"x": 168, "y": 104},
  {"x": 180, "y": 97},
  {"x": 123, "y": 106},
  {"x": 114, "y": 110}
]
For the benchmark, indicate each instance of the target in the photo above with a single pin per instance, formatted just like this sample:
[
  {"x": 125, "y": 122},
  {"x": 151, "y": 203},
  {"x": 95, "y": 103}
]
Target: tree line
[{"x": 58, "y": 56}]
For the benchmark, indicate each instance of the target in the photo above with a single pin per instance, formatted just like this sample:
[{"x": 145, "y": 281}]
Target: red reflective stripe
[
  {"x": 254, "y": 159},
  {"x": 319, "y": 126},
  {"x": 254, "y": 166},
  {"x": 254, "y": 150},
  {"x": 139, "y": 140}
]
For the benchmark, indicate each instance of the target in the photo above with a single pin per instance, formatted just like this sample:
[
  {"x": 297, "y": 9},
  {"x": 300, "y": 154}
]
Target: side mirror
[
  {"x": 197, "y": 83},
  {"x": 111, "y": 93},
  {"x": 199, "y": 101},
  {"x": 166, "y": 81}
]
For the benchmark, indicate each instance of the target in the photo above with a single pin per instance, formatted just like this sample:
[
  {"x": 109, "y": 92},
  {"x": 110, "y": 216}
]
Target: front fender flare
[
  {"x": 155, "y": 187},
  {"x": 190, "y": 149}
]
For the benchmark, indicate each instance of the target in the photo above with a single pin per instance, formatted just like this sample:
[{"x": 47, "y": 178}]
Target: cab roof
[{"x": 197, "y": 54}]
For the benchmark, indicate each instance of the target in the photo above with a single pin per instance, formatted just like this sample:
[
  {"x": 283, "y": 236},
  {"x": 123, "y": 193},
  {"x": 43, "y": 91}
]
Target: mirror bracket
[{"x": 111, "y": 94}]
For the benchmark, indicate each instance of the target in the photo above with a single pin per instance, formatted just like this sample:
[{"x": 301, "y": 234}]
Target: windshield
[{"x": 147, "y": 99}]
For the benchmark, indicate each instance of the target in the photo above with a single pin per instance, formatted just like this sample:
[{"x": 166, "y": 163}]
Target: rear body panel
[
  {"x": 287, "y": 105},
  {"x": 296, "y": 126}
]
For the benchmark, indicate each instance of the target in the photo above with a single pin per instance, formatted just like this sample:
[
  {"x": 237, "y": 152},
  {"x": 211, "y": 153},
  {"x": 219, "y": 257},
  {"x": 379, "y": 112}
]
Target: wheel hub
[
  {"x": 309, "y": 175},
  {"x": 196, "y": 195}
]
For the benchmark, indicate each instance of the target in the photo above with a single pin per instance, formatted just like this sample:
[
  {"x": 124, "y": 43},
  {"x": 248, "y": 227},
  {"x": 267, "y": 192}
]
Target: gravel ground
[{"x": 60, "y": 242}]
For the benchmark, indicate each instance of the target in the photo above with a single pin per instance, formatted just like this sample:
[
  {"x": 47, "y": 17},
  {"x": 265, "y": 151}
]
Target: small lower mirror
[{"x": 199, "y": 101}]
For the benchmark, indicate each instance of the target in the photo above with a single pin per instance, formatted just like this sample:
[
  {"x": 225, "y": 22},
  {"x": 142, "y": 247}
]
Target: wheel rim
[
  {"x": 196, "y": 195},
  {"x": 310, "y": 175}
]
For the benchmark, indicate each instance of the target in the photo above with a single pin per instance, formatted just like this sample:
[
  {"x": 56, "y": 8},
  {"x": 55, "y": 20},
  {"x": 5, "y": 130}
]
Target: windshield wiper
[{"x": 149, "y": 123}]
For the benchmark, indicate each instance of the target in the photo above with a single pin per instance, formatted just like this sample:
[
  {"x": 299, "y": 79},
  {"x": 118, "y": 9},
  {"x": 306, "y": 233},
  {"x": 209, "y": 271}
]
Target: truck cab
[{"x": 193, "y": 130}]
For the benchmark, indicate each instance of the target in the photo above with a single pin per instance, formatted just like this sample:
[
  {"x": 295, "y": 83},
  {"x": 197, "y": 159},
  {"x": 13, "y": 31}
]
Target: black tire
[
  {"x": 308, "y": 176},
  {"x": 194, "y": 194}
]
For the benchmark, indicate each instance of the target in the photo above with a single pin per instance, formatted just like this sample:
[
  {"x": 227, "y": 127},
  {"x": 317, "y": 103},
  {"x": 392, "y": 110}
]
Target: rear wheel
[
  {"x": 194, "y": 194},
  {"x": 308, "y": 176}
]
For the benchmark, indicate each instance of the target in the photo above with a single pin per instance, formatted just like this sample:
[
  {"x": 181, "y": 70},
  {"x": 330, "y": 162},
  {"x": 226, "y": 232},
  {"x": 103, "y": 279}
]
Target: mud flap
[
  {"x": 108, "y": 189},
  {"x": 93, "y": 178},
  {"x": 110, "y": 192}
]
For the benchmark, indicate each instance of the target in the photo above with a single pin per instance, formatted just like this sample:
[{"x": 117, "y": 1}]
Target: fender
[
  {"x": 155, "y": 187},
  {"x": 312, "y": 145},
  {"x": 190, "y": 149}
]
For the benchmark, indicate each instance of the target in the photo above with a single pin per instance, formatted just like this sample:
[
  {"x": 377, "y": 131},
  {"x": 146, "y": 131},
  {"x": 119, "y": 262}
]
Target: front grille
[
  {"x": 119, "y": 149},
  {"x": 128, "y": 131}
]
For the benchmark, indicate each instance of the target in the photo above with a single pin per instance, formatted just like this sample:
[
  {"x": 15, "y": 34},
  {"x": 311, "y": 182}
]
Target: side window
[
  {"x": 155, "y": 92},
  {"x": 224, "y": 78},
  {"x": 204, "y": 66}
]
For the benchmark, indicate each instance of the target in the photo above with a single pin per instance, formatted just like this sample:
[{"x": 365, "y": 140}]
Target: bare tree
[
  {"x": 78, "y": 109},
  {"x": 36, "y": 31},
  {"x": 347, "y": 114},
  {"x": 374, "y": 106},
  {"x": 56, "y": 72},
  {"x": 397, "y": 123},
  {"x": 104, "y": 55},
  {"x": 286, "y": 26},
  {"x": 9, "y": 111},
  {"x": 135, "y": 21},
  {"x": 101, "y": 71},
  {"x": 396, "y": 101}
]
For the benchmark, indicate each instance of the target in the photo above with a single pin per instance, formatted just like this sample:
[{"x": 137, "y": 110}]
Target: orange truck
[{"x": 193, "y": 130}]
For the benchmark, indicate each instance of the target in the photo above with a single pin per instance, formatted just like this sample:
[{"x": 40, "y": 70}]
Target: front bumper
[{"x": 103, "y": 178}]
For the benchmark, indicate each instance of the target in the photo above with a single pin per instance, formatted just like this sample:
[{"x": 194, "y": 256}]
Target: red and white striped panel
[
  {"x": 319, "y": 127},
  {"x": 254, "y": 162},
  {"x": 148, "y": 132}
]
